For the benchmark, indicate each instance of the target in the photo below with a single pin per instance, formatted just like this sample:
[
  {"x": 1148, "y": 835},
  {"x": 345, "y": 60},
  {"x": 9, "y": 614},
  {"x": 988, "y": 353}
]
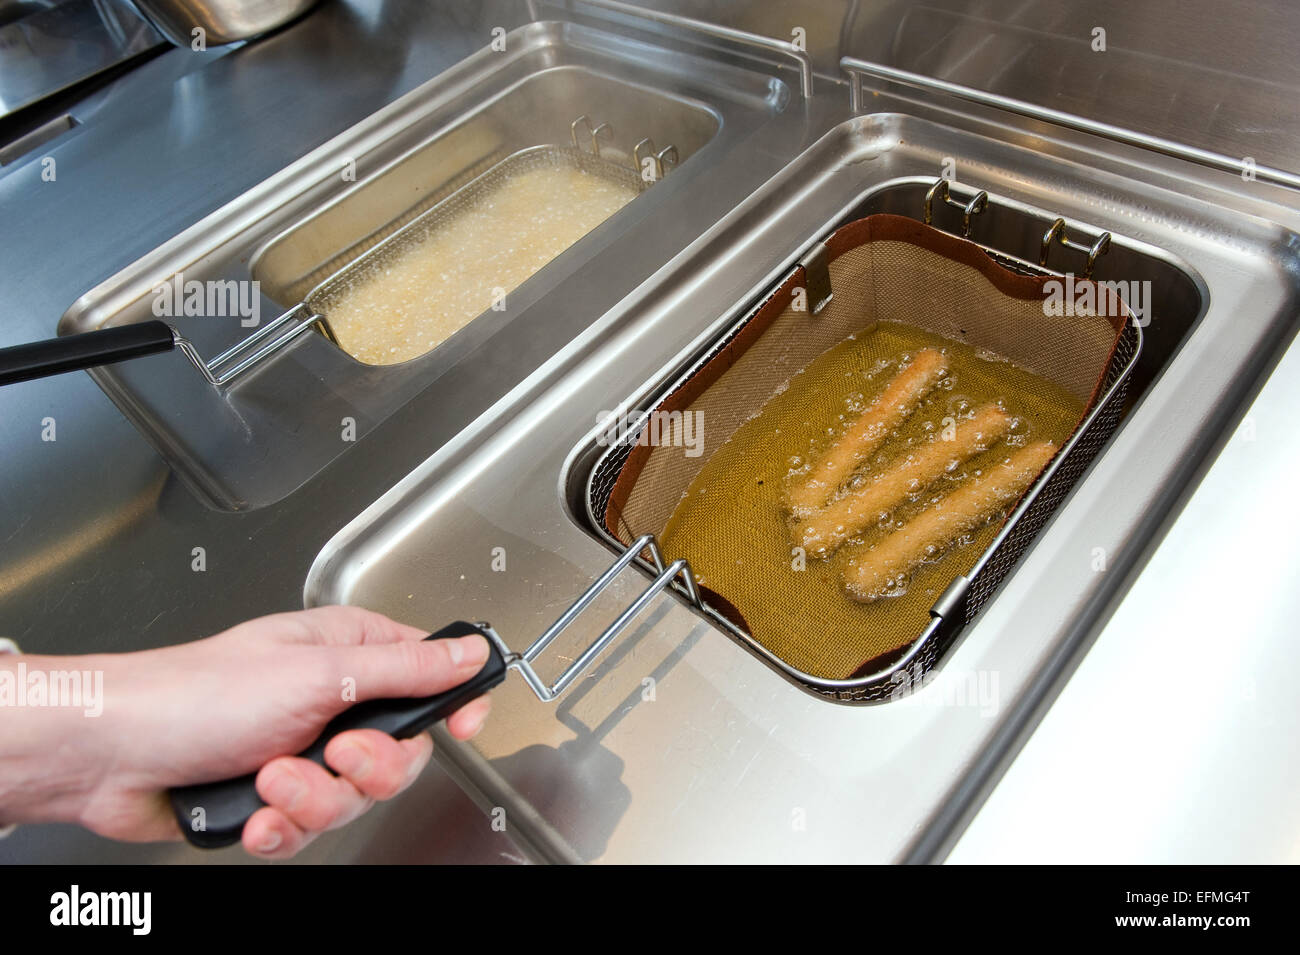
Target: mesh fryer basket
[{"x": 881, "y": 269}]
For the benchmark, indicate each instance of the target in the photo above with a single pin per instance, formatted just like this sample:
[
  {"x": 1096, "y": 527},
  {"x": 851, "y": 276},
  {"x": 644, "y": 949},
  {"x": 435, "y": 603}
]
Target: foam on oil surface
[{"x": 407, "y": 302}]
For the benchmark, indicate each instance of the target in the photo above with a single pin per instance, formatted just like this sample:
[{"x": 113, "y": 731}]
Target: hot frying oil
[{"x": 731, "y": 524}]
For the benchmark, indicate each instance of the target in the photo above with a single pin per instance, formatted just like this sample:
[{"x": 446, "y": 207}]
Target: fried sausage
[
  {"x": 891, "y": 408},
  {"x": 913, "y": 471},
  {"x": 875, "y": 571}
]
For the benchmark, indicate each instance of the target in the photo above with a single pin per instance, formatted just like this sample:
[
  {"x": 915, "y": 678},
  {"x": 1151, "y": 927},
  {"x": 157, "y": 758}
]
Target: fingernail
[
  {"x": 285, "y": 790},
  {"x": 478, "y": 727},
  {"x": 352, "y": 760},
  {"x": 475, "y": 649},
  {"x": 270, "y": 842},
  {"x": 413, "y": 771}
]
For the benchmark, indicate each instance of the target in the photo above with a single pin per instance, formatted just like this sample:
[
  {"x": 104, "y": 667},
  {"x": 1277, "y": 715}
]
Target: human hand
[{"x": 224, "y": 706}]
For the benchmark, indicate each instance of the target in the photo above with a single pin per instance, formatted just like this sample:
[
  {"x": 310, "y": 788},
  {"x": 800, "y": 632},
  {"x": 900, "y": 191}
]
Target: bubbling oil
[
  {"x": 406, "y": 303},
  {"x": 731, "y": 523}
]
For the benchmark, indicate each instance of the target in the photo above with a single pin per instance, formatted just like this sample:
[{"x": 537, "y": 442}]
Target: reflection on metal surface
[
  {"x": 1175, "y": 73},
  {"x": 36, "y": 139},
  {"x": 48, "y": 46},
  {"x": 742, "y": 37},
  {"x": 31, "y": 567},
  {"x": 1244, "y": 167},
  {"x": 220, "y": 21}
]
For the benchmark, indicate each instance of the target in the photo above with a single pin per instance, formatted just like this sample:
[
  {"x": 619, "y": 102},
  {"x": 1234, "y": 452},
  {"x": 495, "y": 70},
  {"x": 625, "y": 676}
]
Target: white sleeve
[{"x": 8, "y": 646}]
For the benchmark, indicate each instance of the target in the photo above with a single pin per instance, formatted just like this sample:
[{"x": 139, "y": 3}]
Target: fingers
[
  {"x": 373, "y": 654},
  {"x": 269, "y": 834},
  {"x": 419, "y": 668},
  {"x": 469, "y": 719},
  {"x": 310, "y": 796},
  {"x": 376, "y": 764},
  {"x": 381, "y": 657},
  {"x": 376, "y": 658},
  {"x": 351, "y": 627},
  {"x": 304, "y": 799}
]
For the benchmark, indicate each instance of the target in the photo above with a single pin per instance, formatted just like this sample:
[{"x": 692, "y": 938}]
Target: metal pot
[{"x": 222, "y": 21}]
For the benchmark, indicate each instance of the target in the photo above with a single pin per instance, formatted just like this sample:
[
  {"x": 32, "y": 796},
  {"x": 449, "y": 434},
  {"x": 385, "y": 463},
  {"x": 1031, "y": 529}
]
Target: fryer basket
[
  {"x": 895, "y": 672},
  {"x": 314, "y": 293},
  {"x": 322, "y": 284}
]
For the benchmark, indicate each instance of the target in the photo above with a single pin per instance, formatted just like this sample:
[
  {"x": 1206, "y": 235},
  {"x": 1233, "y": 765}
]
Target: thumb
[{"x": 411, "y": 667}]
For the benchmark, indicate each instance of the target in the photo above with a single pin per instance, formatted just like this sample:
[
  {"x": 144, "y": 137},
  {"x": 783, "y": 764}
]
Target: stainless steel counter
[
  {"x": 94, "y": 528},
  {"x": 1170, "y": 740}
]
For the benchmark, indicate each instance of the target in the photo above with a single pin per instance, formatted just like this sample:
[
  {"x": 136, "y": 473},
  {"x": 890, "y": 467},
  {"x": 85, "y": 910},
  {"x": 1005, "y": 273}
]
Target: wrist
[
  {"x": 7, "y": 648},
  {"x": 52, "y": 751}
]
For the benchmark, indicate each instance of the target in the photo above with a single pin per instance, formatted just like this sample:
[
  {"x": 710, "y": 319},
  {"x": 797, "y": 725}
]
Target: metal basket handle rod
[{"x": 664, "y": 576}]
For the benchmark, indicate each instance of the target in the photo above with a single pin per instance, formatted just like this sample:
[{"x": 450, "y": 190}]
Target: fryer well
[{"x": 908, "y": 271}]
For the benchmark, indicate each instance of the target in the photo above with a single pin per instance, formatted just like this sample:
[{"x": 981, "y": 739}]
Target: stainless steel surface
[
  {"x": 743, "y": 37},
  {"x": 257, "y": 440},
  {"x": 95, "y": 528},
  {"x": 49, "y": 45},
  {"x": 1170, "y": 768},
  {"x": 1241, "y": 166},
  {"x": 220, "y": 21},
  {"x": 719, "y": 720},
  {"x": 1190, "y": 71},
  {"x": 30, "y": 141}
]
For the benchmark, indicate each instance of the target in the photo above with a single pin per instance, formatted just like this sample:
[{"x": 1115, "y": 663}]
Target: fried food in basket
[
  {"x": 891, "y": 408},
  {"x": 825, "y": 530},
  {"x": 877, "y": 571}
]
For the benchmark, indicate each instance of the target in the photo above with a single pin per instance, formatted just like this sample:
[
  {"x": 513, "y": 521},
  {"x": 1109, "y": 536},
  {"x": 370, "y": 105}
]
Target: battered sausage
[
  {"x": 877, "y": 570},
  {"x": 827, "y": 529},
  {"x": 893, "y": 406}
]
